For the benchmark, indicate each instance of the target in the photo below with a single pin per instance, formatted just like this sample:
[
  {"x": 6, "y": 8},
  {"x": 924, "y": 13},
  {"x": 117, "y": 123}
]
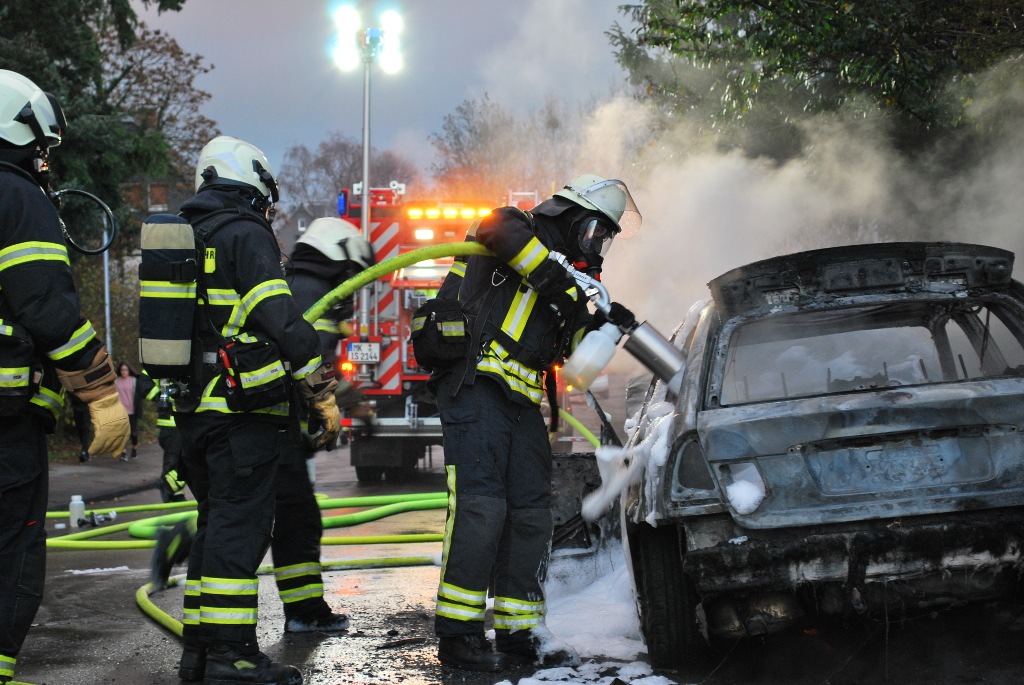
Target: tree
[
  {"x": 898, "y": 54},
  {"x": 153, "y": 81},
  {"x": 484, "y": 150},
  {"x": 313, "y": 178}
]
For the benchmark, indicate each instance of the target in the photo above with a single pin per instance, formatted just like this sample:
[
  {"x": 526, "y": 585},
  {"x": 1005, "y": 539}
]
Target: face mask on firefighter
[{"x": 595, "y": 237}]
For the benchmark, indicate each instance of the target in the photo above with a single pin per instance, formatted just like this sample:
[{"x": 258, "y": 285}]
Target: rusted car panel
[{"x": 867, "y": 402}]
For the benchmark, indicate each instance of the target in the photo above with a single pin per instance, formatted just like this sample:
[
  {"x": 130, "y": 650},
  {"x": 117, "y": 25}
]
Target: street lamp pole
[{"x": 369, "y": 43}]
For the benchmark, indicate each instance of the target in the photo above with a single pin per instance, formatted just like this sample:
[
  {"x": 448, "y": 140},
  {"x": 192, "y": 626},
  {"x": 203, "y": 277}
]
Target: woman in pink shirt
[{"x": 126, "y": 385}]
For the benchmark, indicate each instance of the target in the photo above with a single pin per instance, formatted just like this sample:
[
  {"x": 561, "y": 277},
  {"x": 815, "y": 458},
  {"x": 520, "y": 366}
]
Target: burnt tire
[
  {"x": 369, "y": 474},
  {"x": 667, "y": 599}
]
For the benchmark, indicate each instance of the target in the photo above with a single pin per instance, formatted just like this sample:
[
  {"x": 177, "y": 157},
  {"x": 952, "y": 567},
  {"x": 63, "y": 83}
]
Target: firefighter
[
  {"x": 329, "y": 252},
  {"x": 46, "y": 348},
  {"x": 233, "y": 410},
  {"x": 496, "y": 449},
  {"x": 172, "y": 472}
]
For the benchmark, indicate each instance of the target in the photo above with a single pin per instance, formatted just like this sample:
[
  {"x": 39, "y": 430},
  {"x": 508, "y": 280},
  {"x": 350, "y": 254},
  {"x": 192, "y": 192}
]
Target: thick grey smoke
[{"x": 707, "y": 210}]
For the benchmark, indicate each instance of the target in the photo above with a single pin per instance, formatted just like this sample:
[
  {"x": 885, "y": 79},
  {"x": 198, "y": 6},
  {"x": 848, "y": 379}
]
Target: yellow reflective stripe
[
  {"x": 530, "y": 257},
  {"x": 458, "y": 269},
  {"x": 50, "y": 400},
  {"x": 577, "y": 338},
  {"x": 210, "y": 402},
  {"x": 297, "y": 570},
  {"x": 190, "y": 617},
  {"x": 193, "y": 587},
  {"x": 325, "y": 326},
  {"x": 272, "y": 288},
  {"x": 518, "y": 606},
  {"x": 459, "y": 612},
  {"x": 78, "y": 341},
  {"x": 463, "y": 595},
  {"x": 236, "y": 616},
  {"x": 33, "y": 251},
  {"x": 519, "y": 378},
  {"x": 7, "y": 664},
  {"x": 263, "y": 375},
  {"x": 449, "y": 520},
  {"x": 166, "y": 423},
  {"x": 513, "y": 624},
  {"x": 167, "y": 290},
  {"x": 308, "y": 368},
  {"x": 519, "y": 312},
  {"x": 6, "y": 330},
  {"x": 310, "y": 591},
  {"x": 173, "y": 482},
  {"x": 222, "y": 296},
  {"x": 230, "y": 586},
  {"x": 15, "y": 376}
]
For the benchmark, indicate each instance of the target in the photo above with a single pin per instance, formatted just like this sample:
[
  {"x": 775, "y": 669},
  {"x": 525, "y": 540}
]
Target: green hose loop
[
  {"x": 575, "y": 423},
  {"x": 387, "y": 266}
]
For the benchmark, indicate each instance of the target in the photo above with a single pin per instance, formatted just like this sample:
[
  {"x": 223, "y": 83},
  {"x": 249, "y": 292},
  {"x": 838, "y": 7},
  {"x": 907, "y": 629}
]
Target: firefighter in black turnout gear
[
  {"x": 46, "y": 348},
  {"x": 254, "y": 353},
  {"x": 328, "y": 253},
  {"x": 529, "y": 314}
]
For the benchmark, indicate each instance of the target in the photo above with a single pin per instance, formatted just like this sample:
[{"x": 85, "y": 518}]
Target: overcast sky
[{"x": 274, "y": 83}]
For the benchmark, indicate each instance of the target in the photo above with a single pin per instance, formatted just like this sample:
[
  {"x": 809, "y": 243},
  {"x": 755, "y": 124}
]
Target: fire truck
[{"x": 378, "y": 358}]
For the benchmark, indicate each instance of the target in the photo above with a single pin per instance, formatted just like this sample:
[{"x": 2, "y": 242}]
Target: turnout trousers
[
  {"x": 23, "y": 495},
  {"x": 295, "y": 545},
  {"x": 498, "y": 528},
  {"x": 231, "y": 460}
]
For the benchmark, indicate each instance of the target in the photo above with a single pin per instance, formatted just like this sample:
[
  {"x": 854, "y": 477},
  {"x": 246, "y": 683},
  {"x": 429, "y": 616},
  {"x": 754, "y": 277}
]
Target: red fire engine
[{"x": 378, "y": 359}]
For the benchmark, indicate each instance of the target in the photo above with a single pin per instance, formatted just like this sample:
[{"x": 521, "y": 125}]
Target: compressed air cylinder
[
  {"x": 167, "y": 289},
  {"x": 591, "y": 356}
]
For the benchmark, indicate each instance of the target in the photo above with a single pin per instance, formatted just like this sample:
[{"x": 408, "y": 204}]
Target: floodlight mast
[{"x": 368, "y": 44}]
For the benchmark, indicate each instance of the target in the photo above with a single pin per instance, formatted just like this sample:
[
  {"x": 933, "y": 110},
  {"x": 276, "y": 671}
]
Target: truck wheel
[
  {"x": 369, "y": 474},
  {"x": 667, "y": 599}
]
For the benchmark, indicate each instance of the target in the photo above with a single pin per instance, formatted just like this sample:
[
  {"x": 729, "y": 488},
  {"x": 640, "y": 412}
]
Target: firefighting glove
[
  {"x": 95, "y": 387},
  {"x": 554, "y": 284},
  {"x": 172, "y": 547},
  {"x": 618, "y": 315},
  {"x": 111, "y": 430},
  {"x": 317, "y": 393}
]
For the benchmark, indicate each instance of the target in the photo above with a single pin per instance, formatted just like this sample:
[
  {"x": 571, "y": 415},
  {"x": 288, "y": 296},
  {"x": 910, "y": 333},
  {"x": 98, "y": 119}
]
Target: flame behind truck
[{"x": 378, "y": 358}]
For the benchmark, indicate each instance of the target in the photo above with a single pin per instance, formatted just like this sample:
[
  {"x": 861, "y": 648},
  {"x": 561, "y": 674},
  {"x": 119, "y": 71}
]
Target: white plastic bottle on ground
[{"x": 76, "y": 509}]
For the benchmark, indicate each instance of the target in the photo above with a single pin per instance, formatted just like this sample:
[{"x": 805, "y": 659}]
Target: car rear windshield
[{"x": 867, "y": 347}]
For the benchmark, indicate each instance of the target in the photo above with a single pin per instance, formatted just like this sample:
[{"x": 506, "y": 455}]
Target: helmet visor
[
  {"x": 612, "y": 198},
  {"x": 595, "y": 236}
]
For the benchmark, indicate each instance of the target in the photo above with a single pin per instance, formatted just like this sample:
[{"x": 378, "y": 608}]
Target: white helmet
[
  {"x": 339, "y": 241},
  {"x": 230, "y": 161},
  {"x": 608, "y": 196},
  {"x": 28, "y": 116}
]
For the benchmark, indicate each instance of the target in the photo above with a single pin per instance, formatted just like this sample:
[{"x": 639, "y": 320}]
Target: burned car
[{"x": 845, "y": 438}]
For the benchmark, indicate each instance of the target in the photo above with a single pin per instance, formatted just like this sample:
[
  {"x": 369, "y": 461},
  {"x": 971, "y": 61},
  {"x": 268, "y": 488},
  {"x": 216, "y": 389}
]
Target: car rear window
[{"x": 869, "y": 347}]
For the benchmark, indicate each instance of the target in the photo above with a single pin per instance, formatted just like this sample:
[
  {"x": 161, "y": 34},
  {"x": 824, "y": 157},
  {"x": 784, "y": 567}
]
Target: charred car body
[{"x": 846, "y": 439}]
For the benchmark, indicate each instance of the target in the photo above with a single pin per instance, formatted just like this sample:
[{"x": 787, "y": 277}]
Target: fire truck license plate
[{"x": 364, "y": 352}]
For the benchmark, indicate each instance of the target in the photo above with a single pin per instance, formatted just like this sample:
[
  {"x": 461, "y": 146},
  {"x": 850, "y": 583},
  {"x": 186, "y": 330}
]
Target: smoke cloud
[{"x": 708, "y": 207}]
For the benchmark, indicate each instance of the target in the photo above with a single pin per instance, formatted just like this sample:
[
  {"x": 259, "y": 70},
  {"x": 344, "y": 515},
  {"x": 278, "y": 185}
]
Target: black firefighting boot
[
  {"x": 229, "y": 664},
  {"x": 192, "y": 665},
  {"x": 470, "y": 653},
  {"x": 172, "y": 547},
  {"x": 538, "y": 646},
  {"x": 319, "y": 618}
]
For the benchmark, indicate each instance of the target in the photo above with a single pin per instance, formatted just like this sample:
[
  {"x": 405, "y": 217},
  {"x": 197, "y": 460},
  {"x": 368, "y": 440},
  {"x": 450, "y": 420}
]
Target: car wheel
[
  {"x": 667, "y": 599},
  {"x": 369, "y": 474}
]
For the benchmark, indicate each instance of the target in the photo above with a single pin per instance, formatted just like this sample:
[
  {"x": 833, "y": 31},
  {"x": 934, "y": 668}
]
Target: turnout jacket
[
  {"x": 37, "y": 292},
  {"x": 244, "y": 292},
  {"x": 533, "y": 336}
]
